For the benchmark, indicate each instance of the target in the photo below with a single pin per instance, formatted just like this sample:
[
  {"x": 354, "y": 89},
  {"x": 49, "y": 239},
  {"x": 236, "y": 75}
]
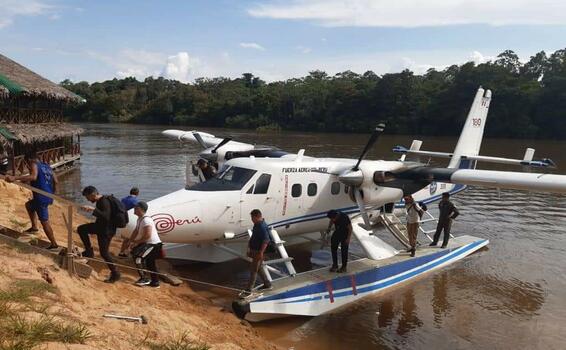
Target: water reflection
[
  {"x": 409, "y": 319},
  {"x": 440, "y": 304}
]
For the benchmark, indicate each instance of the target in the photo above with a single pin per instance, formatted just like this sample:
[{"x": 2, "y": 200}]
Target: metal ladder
[
  {"x": 288, "y": 261},
  {"x": 399, "y": 229},
  {"x": 396, "y": 227},
  {"x": 429, "y": 218}
]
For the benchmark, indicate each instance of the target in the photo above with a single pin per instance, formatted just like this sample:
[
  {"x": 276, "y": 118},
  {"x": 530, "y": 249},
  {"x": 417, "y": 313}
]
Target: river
[{"x": 511, "y": 295}]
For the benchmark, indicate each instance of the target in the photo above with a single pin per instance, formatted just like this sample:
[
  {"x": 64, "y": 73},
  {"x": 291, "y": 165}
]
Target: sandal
[{"x": 31, "y": 230}]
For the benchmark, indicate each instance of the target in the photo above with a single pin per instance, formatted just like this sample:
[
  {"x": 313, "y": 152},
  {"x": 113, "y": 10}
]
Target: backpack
[{"x": 119, "y": 216}]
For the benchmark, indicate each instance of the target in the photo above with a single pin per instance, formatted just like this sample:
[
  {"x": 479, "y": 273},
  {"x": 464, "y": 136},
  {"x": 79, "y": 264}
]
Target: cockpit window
[{"x": 230, "y": 179}]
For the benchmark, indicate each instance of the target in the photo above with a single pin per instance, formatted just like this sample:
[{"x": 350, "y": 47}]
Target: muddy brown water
[{"x": 511, "y": 295}]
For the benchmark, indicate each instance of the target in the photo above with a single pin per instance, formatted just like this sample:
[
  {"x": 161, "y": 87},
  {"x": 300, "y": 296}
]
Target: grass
[
  {"x": 182, "y": 342},
  {"x": 25, "y": 332},
  {"x": 23, "y": 290}
]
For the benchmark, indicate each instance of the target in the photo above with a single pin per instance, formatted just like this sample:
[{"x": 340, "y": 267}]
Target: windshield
[{"x": 230, "y": 179}]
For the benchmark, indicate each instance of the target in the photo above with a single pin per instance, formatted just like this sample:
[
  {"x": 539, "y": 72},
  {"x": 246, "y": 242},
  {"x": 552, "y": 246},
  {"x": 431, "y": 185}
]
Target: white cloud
[
  {"x": 415, "y": 13},
  {"x": 304, "y": 49},
  {"x": 254, "y": 46},
  {"x": 10, "y": 9},
  {"x": 479, "y": 58},
  {"x": 178, "y": 67}
]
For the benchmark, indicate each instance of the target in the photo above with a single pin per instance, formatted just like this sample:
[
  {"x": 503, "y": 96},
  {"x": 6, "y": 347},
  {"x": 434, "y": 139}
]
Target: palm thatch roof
[
  {"x": 32, "y": 133},
  {"x": 16, "y": 80}
]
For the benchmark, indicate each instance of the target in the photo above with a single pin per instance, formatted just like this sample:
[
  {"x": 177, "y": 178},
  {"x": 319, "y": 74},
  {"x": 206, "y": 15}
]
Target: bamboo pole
[{"x": 70, "y": 263}]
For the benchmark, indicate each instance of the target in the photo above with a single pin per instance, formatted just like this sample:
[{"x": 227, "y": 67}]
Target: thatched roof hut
[
  {"x": 16, "y": 80},
  {"x": 34, "y": 133}
]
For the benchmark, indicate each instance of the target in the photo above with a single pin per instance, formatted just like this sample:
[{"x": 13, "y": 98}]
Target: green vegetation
[
  {"x": 26, "y": 322},
  {"x": 182, "y": 342},
  {"x": 530, "y": 100}
]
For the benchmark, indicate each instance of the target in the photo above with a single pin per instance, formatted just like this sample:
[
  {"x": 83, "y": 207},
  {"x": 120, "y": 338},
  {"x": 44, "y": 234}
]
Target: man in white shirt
[
  {"x": 414, "y": 213},
  {"x": 147, "y": 248}
]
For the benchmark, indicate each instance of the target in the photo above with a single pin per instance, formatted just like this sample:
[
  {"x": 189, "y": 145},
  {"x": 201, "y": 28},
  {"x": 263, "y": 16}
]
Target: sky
[{"x": 273, "y": 39}]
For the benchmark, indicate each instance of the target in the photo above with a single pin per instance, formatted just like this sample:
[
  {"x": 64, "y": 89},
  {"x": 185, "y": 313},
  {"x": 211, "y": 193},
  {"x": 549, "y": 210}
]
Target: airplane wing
[
  {"x": 194, "y": 136},
  {"x": 491, "y": 178}
]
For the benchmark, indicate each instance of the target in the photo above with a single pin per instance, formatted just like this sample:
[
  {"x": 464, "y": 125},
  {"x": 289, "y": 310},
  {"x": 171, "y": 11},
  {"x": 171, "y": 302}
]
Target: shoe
[
  {"x": 264, "y": 287},
  {"x": 122, "y": 255},
  {"x": 31, "y": 230},
  {"x": 333, "y": 269},
  {"x": 53, "y": 248},
  {"x": 113, "y": 278},
  {"x": 245, "y": 293},
  {"x": 342, "y": 269},
  {"x": 443, "y": 246},
  {"x": 87, "y": 254},
  {"x": 432, "y": 244},
  {"x": 142, "y": 282},
  {"x": 154, "y": 285},
  {"x": 413, "y": 253}
]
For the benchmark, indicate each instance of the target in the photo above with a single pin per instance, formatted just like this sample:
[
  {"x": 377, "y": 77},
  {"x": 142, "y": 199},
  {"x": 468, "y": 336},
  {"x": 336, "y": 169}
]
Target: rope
[{"x": 160, "y": 274}]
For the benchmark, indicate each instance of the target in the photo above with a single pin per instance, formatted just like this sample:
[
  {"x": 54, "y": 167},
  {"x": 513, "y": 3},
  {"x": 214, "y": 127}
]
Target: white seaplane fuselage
[{"x": 293, "y": 192}]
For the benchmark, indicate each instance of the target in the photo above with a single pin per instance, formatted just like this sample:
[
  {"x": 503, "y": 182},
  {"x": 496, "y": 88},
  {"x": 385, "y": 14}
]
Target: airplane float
[{"x": 209, "y": 220}]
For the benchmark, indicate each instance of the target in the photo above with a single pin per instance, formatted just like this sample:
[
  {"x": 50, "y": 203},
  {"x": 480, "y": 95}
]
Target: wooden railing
[{"x": 49, "y": 156}]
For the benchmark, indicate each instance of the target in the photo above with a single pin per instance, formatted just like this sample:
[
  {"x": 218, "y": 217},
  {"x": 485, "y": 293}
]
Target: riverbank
[{"x": 36, "y": 292}]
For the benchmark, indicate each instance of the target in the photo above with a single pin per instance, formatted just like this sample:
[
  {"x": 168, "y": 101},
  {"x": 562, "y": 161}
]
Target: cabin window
[
  {"x": 335, "y": 188},
  {"x": 311, "y": 189},
  {"x": 262, "y": 184},
  {"x": 251, "y": 190},
  {"x": 296, "y": 190}
]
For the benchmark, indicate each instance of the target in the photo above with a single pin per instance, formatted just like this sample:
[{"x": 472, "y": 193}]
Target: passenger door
[{"x": 258, "y": 195}]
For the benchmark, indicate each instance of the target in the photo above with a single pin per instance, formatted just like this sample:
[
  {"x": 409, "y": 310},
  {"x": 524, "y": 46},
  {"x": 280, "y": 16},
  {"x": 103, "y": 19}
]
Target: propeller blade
[
  {"x": 361, "y": 205},
  {"x": 378, "y": 130},
  {"x": 200, "y": 140},
  {"x": 222, "y": 143}
]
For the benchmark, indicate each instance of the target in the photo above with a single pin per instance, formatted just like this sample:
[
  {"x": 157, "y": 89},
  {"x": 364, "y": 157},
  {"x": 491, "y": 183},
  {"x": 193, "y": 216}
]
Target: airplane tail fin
[{"x": 471, "y": 137}]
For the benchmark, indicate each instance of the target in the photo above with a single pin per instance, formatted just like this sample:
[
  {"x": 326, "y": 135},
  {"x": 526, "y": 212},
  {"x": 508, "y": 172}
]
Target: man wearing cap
[
  {"x": 147, "y": 248},
  {"x": 103, "y": 228},
  {"x": 341, "y": 236},
  {"x": 447, "y": 213}
]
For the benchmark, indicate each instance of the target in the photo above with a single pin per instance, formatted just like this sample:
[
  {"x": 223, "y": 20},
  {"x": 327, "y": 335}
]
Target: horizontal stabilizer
[{"x": 526, "y": 161}]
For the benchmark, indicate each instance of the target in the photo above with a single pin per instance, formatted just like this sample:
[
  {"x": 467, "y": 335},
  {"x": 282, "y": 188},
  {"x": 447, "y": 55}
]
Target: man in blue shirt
[
  {"x": 129, "y": 203},
  {"x": 40, "y": 176},
  {"x": 131, "y": 200},
  {"x": 256, "y": 248}
]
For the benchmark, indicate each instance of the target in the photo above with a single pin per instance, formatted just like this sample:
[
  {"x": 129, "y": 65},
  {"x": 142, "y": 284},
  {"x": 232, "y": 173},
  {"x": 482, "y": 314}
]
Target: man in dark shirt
[
  {"x": 256, "y": 248},
  {"x": 341, "y": 236},
  {"x": 206, "y": 169},
  {"x": 447, "y": 213},
  {"x": 102, "y": 228}
]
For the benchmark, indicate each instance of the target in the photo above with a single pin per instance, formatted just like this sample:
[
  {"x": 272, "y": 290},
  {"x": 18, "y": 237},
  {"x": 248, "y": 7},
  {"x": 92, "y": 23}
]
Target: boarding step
[{"x": 396, "y": 227}]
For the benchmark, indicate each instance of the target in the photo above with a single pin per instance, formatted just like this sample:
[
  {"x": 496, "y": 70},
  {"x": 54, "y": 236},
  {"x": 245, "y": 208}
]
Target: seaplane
[{"x": 209, "y": 220}]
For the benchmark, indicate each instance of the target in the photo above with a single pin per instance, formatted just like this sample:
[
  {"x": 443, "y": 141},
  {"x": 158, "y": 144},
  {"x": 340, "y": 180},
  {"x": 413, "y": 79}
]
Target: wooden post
[
  {"x": 13, "y": 156},
  {"x": 70, "y": 263}
]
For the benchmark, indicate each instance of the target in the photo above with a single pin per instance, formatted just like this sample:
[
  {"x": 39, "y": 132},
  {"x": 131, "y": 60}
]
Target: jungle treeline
[{"x": 529, "y": 100}]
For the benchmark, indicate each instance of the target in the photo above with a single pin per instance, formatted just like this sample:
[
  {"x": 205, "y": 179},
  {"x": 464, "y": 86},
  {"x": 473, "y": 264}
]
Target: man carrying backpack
[{"x": 109, "y": 213}]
